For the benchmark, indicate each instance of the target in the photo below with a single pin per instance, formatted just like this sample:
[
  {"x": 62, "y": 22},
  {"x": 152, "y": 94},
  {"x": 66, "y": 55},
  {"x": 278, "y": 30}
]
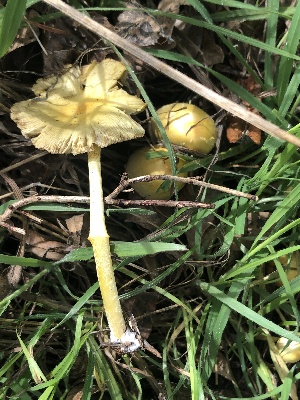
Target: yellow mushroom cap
[
  {"x": 140, "y": 163},
  {"x": 187, "y": 125},
  {"x": 79, "y": 109}
]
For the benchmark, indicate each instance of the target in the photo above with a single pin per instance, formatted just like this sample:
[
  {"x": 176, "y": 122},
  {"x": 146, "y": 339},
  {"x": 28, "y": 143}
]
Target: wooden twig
[
  {"x": 158, "y": 203},
  {"x": 39, "y": 199},
  {"x": 125, "y": 183},
  {"x": 181, "y": 78}
]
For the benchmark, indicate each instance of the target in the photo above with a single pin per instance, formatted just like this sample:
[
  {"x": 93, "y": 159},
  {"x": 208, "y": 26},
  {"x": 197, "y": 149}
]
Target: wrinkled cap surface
[{"x": 79, "y": 109}]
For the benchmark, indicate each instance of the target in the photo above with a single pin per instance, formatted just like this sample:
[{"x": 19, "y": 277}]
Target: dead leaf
[
  {"x": 75, "y": 393},
  {"x": 138, "y": 27},
  {"x": 238, "y": 129},
  {"x": 167, "y": 24},
  {"x": 141, "y": 306},
  {"x": 212, "y": 53},
  {"x": 74, "y": 225},
  {"x": 64, "y": 41},
  {"x": 144, "y": 29},
  {"x": 222, "y": 367},
  {"x": 47, "y": 249}
]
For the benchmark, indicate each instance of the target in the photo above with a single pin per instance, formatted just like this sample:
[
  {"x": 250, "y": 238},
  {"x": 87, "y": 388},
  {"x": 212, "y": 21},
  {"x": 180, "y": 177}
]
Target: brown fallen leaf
[
  {"x": 74, "y": 225},
  {"x": 144, "y": 29},
  {"x": 47, "y": 249},
  {"x": 222, "y": 367},
  {"x": 238, "y": 129},
  {"x": 167, "y": 24},
  {"x": 141, "y": 306},
  {"x": 137, "y": 26}
]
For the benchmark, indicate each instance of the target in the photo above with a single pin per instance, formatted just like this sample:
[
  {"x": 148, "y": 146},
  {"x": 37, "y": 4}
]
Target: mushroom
[
  {"x": 188, "y": 126},
  {"x": 82, "y": 111},
  {"x": 153, "y": 161}
]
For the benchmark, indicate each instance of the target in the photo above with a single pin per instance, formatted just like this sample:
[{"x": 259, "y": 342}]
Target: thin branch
[
  {"x": 40, "y": 199},
  {"x": 158, "y": 203},
  {"x": 124, "y": 183}
]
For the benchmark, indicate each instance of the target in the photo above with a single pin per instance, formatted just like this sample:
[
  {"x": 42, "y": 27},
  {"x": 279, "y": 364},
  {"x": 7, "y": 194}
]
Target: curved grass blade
[{"x": 13, "y": 14}]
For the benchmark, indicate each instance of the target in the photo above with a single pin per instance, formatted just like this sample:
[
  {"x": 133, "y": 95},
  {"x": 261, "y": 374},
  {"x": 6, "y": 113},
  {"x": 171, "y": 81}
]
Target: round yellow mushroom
[
  {"x": 188, "y": 126},
  {"x": 142, "y": 163}
]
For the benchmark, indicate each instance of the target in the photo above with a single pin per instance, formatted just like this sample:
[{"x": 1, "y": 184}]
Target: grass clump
[{"x": 196, "y": 280}]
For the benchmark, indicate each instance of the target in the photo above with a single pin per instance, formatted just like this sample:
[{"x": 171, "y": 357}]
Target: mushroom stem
[{"x": 100, "y": 241}]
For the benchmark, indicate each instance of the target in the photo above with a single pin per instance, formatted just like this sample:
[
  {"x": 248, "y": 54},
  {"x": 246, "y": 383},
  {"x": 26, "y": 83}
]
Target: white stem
[{"x": 100, "y": 241}]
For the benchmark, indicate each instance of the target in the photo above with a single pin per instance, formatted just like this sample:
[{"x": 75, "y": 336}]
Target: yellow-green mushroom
[
  {"x": 188, "y": 126},
  {"x": 82, "y": 111},
  {"x": 139, "y": 164}
]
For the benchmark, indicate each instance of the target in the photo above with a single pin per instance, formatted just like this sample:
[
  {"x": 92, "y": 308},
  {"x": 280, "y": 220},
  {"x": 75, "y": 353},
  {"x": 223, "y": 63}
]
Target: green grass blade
[
  {"x": 247, "y": 312},
  {"x": 9, "y": 363},
  {"x": 287, "y": 386},
  {"x": 36, "y": 372},
  {"x": 201, "y": 9},
  {"x": 271, "y": 36},
  {"x": 243, "y": 267},
  {"x": 124, "y": 249},
  {"x": 79, "y": 304},
  {"x": 103, "y": 371},
  {"x": 196, "y": 385},
  {"x": 285, "y": 207},
  {"x": 233, "y": 35},
  {"x": 11, "y": 22},
  {"x": 143, "y": 248},
  {"x": 286, "y": 62},
  {"x": 62, "y": 369},
  {"x": 216, "y": 323},
  {"x": 291, "y": 92},
  {"x": 233, "y": 3},
  {"x": 233, "y": 86},
  {"x": 23, "y": 288},
  {"x": 48, "y": 394},
  {"x": 25, "y": 262}
]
